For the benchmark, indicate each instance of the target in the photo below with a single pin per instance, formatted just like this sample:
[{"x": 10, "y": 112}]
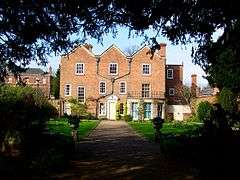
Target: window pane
[
  {"x": 79, "y": 68},
  {"x": 102, "y": 87},
  {"x": 67, "y": 89},
  {"x": 113, "y": 68},
  {"x": 145, "y": 90},
  {"x": 146, "y": 69},
  {"x": 170, "y": 73},
  {"x": 102, "y": 109},
  {"x": 122, "y": 87},
  {"x": 81, "y": 94},
  {"x": 121, "y": 108},
  {"x": 147, "y": 110}
]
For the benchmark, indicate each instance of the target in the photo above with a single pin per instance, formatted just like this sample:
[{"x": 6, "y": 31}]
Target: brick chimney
[
  {"x": 194, "y": 85},
  {"x": 88, "y": 46},
  {"x": 163, "y": 49}
]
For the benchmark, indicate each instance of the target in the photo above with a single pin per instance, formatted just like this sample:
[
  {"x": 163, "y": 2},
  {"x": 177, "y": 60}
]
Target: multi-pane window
[
  {"x": 147, "y": 110},
  {"x": 79, "y": 69},
  {"x": 171, "y": 91},
  {"x": 113, "y": 68},
  {"x": 102, "y": 87},
  {"x": 81, "y": 94},
  {"x": 67, "y": 90},
  {"x": 121, "y": 108},
  {"x": 102, "y": 109},
  {"x": 146, "y": 69},
  {"x": 145, "y": 90},
  {"x": 122, "y": 87},
  {"x": 170, "y": 74}
]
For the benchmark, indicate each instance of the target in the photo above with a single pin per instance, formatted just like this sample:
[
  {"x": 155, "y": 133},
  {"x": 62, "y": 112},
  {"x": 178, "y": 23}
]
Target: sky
[{"x": 176, "y": 54}]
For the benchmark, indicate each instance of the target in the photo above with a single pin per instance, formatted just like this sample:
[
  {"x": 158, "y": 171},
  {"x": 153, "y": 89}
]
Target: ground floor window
[
  {"x": 121, "y": 108},
  {"x": 102, "y": 109},
  {"x": 159, "y": 110},
  {"x": 147, "y": 110}
]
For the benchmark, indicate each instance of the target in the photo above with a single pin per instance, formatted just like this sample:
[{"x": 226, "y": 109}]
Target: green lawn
[
  {"x": 146, "y": 129},
  {"x": 61, "y": 126}
]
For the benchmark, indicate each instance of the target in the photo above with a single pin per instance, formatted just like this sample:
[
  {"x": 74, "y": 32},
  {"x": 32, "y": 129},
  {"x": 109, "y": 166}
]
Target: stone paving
[{"x": 114, "y": 151}]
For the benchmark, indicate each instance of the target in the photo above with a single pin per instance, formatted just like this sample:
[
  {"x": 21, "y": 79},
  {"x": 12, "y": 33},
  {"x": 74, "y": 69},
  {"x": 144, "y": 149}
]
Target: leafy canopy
[{"x": 31, "y": 30}]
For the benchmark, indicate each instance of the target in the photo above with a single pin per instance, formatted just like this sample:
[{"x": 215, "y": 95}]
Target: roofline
[{"x": 112, "y": 46}]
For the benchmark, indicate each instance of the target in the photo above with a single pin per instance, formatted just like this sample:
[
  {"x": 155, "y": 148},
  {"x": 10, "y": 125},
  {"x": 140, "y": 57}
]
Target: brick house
[
  {"x": 113, "y": 82},
  {"x": 34, "y": 77}
]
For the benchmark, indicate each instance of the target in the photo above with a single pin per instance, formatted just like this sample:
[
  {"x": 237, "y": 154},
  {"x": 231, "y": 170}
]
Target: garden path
[{"x": 114, "y": 151}]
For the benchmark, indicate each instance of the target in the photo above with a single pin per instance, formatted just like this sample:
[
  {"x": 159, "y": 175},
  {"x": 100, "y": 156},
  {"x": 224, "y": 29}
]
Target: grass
[
  {"x": 175, "y": 129},
  {"x": 61, "y": 126}
]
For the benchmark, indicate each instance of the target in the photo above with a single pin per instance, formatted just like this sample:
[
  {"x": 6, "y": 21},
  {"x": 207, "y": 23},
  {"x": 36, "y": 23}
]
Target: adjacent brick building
[
  {"x": 34, "y": 77},
  {"x": 113, "y": 82}
]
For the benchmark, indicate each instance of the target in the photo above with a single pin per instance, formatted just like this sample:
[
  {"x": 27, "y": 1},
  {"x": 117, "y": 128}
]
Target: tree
[
  {"x": 188, "y": 97},
  {"x": 55, "y": 84},
  {"x": 34, "y": 29}
]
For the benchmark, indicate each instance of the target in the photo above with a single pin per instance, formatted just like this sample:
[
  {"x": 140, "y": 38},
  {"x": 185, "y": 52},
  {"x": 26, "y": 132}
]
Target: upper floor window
[
  {"x": 102, "y": 87},
  {"x": 122, "y": 87},
  {"x": 81, "y": 94},
  {"x": 67, "y": 90},
  {"x": 113, "y": 68},
  {"x": 146, "y": 69},
  {"x": 145, "y": 90},
  {"x": 79, "y": 69},
  {"x": 170, "y": 74},
  {"x": 44, "y": 81},
  {"x": 171, "y": 91}
]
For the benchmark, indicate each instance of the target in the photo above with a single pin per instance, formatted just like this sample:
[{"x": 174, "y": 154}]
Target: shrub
[
  {"x": 23, "y": 112},
  {"x": 204, "y": 111},
  {"x": 78, "y": 109},
  {"x": 228, "y": 100},
  {"x": 128, "y": 118}
]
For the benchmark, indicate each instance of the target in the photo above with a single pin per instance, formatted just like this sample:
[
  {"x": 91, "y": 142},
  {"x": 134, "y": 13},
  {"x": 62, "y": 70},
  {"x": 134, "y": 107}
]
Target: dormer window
[
  {"x": 170, "y": 74},
  {"x": 79, "y": 69},
  {"x": 113, "y": 68}
]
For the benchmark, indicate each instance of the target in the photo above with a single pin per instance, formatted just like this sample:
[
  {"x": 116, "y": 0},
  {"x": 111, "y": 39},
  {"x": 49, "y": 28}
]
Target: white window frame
[
  {"x": 83, "y": 69},
  {"x": 100, "y": 87},
  {"x": 125, "y": 87},
  {"x": 109, "y": 72},
  {"x": 70, "y": 90},
  {"x": 171, "y": 91},
  {"x": 150, "y": 69},
  {"x": 105, "y": 108},
  {"x": 149, "y": 90},
  {"x": 84, "y": 95},
  {"x": 170, "y": 77}
]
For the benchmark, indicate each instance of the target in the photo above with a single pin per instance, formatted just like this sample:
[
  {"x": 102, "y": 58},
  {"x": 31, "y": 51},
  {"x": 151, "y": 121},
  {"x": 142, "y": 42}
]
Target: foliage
[
  {"x": 43, "y": 27},
  {"x": 55, "y": 84},
  {"x": 125, "y": 110},
  {"x": 128, "y": 117},
  {"x": 78, "y": 109},
  {"x": 141, "y": 110},
  {"x": 228, "y": 100},
  {"x": 204, "y": 111},
  {"x": 23, "y": 110},
  {"x": 118, "y": 116}
]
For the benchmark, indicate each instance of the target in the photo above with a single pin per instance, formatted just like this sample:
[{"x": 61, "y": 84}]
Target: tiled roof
[{"x": 34, "y": 71}]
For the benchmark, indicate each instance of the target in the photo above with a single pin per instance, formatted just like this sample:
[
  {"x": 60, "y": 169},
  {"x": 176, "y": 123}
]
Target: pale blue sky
[{"x": 176, "y": 54}]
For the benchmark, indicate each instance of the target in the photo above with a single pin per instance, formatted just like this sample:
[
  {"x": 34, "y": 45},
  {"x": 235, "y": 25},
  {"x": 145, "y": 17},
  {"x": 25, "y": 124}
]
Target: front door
[
  {"x": 112, "y": 110},
  {"x": 135, "y": 110}
]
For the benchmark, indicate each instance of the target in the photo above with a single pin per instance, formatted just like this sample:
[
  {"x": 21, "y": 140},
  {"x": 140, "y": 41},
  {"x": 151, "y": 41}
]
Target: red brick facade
[
  {"x": 140, "y": 76},
  {"x": 33, "y": 77}
]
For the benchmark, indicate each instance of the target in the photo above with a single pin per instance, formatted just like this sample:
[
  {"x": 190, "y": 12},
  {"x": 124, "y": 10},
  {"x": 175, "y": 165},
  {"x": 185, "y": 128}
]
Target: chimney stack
[
  {"x": 194, "y": 85},
  {"x": 88, "y": 46}
]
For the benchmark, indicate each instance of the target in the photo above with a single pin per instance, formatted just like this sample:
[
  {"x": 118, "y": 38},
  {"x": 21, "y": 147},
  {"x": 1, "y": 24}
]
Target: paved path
[{"x": 114, "y": 151}]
